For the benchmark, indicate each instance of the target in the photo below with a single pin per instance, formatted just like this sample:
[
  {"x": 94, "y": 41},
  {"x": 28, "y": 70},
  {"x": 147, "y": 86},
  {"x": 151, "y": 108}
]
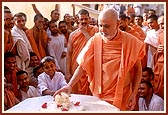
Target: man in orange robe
[
  {"x": 108, "y": 59},
  {"x": 38, "y": 37},
  {"x": 10, "y": 69},
  {"x": 159, "y": 61},
  {"x": 76, "y": 42},
  {"x": 125, "y": 27},
  {"x": 137, "y": 27},
  {"x": 8, "y": 25}
]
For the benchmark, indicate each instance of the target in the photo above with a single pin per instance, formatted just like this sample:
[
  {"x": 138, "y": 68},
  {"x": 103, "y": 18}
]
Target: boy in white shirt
[{"x": 50, "y": 80}]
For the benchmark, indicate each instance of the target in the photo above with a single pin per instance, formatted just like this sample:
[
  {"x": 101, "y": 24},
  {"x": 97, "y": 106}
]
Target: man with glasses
[{"x": 110, "y": 59}]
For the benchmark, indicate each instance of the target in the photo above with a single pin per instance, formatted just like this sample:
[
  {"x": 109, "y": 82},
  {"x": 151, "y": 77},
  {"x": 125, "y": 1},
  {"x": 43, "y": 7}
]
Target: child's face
[
  {"x": 49, "y": 68},
  {"x": 23, "y": 80}
]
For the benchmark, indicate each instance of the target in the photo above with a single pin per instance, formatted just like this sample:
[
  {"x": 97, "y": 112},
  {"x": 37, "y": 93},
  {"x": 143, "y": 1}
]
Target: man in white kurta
[
  {"x": 56, "y": 47},
  {"x": 152, "y": 38}
]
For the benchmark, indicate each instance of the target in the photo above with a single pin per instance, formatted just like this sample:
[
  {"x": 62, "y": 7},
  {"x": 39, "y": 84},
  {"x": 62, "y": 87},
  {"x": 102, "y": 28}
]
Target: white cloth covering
[
  {"x": 91, "y": 103},
  {"x": 23, "y": 47}
]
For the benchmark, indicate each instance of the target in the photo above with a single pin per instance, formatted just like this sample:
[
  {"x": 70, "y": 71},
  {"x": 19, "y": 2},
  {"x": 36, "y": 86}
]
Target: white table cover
[{"x": 91, "y": 104}]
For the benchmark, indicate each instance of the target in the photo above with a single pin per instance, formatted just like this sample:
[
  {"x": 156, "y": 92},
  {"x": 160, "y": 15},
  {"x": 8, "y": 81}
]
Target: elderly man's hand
[{"x": 66, "y": 89}]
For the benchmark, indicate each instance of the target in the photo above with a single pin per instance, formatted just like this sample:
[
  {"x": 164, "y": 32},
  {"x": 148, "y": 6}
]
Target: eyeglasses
[{"x": 104, "y": 26}]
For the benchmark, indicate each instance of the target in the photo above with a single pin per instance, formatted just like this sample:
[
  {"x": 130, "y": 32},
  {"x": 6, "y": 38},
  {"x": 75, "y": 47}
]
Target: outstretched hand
[{"x": 66, "y": 89}]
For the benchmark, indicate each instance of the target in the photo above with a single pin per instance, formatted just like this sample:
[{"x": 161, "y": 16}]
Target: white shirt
[
  {"x": 57, "y": 82},
  {"x": 32, "y": 92},
  {"x": 56, "y": 48},
  {"x": 152, "y": 37},
  {"x": 156, "y": 104}
]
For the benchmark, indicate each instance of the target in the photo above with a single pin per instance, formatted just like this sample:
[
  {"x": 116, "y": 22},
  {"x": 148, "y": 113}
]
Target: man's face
[
  {"x": 8, "y": 20},
  {"x": 39, "y": 23},
  {"x": 67, "y": 18},
  {"x": 55, "y": 16},
  {"x": 53, "y": 28},
  {"x": 152, "y": 23},
  {"x": 108, "y": 27},
  {"x": 45, "y": 25},
  {"x": 63, "y": 28},
  {"x": 143, "y": 90},
  {"x": 123, "y": 25},
  {"x": 161, "y": 22},
  {"x": 23, "y": 80},
  {"x": 145, "y": 76},
  {"x": 151, "y": 13},
  {"x": 84, "y": 20},
  {"x": 138, "y": 21},
  {"x": 145, "y": 16},
  {"x": 10, "y": 63},
  {"x": 20, "y": 22},
  {"x": 34, "y": 61}
]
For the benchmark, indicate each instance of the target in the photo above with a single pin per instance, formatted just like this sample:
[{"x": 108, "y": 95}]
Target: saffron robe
[
  {"x": 8, "y": 41},
  {"x": 39, "y": 44},
  {"x": 107, "y": 64},
  {"x": 159, "y": 69},
  {"x": 78, "y": 42},
  {"x": 140, "y": 31}
]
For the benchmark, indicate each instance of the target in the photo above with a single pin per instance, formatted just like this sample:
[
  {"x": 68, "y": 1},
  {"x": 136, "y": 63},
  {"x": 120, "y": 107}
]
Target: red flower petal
[
  {"x": 77, "y": 103},
  {"x": 59, "y": 105},
  {"x": 44, "y": 105},
  {"x": 64, "y": 109}
]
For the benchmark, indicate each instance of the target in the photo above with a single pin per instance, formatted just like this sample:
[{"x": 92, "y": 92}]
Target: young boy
[
  {"x": 50, "y": 80},
  {"x": 25, "y": 90}
]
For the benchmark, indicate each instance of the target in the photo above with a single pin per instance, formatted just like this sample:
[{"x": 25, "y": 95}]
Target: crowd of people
[{"x": 118, "y": 57}]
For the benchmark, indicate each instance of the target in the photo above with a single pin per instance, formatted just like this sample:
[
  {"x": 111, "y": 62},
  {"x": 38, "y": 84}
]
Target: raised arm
[{"x": 35, "y": 9}]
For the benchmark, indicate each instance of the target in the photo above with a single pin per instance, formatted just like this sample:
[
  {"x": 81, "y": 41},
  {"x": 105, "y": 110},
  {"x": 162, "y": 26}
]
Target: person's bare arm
[
  {"x": 69, "y": 59},
  {"x": 35, "y": 9},
  {"x": 75, "y": 78},
  {"x": 47, "y": 92},
  {"x": 135, "y": 84}
]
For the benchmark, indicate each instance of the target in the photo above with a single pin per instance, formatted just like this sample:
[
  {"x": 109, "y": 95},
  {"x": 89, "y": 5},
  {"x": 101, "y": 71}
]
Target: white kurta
[
  {"x": 32, "y": 92},
  {"x": 151, "y": 39},
  {"x": 23, "y": 47},
  {"x": 156, "y": 104},
  {"x": 57, "y": 82},
  {"x": 56, "y": 48}
]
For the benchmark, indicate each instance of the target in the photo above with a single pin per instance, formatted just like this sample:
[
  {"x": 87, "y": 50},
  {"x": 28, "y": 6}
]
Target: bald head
[
  {"x": 108, "y": 14},
  {"x": 108, "y": 23}
]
